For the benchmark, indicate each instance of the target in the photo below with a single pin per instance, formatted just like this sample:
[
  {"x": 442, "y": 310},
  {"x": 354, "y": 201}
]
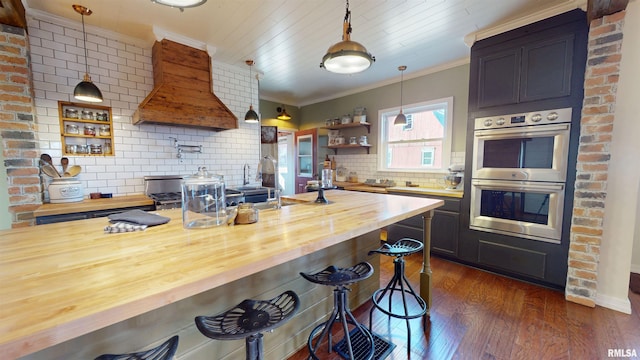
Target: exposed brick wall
[
  {"x": 598, "y": 113},
  {"x": 17, "y": 126}
]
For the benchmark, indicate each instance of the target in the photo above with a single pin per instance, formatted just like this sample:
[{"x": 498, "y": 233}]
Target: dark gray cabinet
[
  {"x": 444, "y": 226},
  {"x": 535, "y": 71},
  {"x": 538, "y": 62}
]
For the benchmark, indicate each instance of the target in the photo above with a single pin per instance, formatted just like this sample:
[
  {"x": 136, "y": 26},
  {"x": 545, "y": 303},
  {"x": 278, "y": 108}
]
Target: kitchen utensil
[
  {"x": 48, "y": 169},
  {"x": 65, "y": 163},
  {"x": 47, "y": 159},
  {"x": 73, "y": 171}
]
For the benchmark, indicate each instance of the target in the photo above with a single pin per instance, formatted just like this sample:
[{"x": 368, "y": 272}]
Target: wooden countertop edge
[
  {"x": 407, "y": 190},
  {"x": 93, "y": 205}
]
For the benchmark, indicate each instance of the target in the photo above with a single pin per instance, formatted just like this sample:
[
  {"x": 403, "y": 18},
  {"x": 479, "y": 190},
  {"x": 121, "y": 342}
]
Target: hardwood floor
[{"x": 479, "y": 315}]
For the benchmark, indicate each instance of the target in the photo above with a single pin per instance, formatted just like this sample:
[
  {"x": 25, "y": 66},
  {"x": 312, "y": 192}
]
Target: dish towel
[{"x": 133, "y": 220}]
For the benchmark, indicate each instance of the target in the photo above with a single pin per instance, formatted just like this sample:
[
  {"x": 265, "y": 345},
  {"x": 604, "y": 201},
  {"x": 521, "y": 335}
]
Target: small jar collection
[{"x": 86, "y": 129}]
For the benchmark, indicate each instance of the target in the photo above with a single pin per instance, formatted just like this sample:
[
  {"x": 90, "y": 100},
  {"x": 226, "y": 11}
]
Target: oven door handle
[
  {"x": 517, "y": 185},
  {"x": 523, "y": 131}
]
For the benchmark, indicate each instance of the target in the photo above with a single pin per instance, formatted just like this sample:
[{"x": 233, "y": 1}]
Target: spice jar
[
  {"x": 72, "y": 129},
  {"x": 104, "y": 130},
  {"x": 70, "y": 149},
  {"x": 90, "y": 130},
  {"x": 82, "y": 149},
  {"x": 107, "y": 148},
  {"x": 247, "y": 214},
  {"x": 87, "y": 115},
  {"x": 71, "y": 113},
  {"x": 96, "y": 149},
  {"x": 102, "y": 116}
]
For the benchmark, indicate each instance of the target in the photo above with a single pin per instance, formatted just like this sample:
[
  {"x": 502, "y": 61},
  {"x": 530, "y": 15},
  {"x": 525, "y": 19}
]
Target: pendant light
[
  {"x": 180, "y": 4},
  {"x": 347, "y": 57},
  {"x": 251, "y": 116},
  {"x": 86, "y": 90},
  {"x": 401, "y": 119},
  {"x": 282, "y": 114}
]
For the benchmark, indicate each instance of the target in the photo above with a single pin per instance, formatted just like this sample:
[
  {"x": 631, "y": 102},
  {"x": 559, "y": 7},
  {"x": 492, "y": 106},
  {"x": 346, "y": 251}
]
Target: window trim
[{"x": 389, "y": 114}]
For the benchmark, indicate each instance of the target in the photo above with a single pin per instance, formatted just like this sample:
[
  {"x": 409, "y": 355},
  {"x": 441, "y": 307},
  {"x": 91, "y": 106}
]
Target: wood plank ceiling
[{"x": 287, "y": 38}]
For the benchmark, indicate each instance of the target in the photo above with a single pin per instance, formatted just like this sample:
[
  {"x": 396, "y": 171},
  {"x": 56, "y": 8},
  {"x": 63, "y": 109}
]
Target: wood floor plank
[{"x": 480, "y": 315}]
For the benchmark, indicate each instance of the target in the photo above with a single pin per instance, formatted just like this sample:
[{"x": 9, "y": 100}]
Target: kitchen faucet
[
  {"x": 245, "y": 174},
  {"x": 274, "y": 201}
]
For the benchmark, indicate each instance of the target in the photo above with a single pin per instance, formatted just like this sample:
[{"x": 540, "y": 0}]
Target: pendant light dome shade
[
  {"x": 86, "y": 90},
  {"x": 401, "y": 119},
  {"x": 251, "y": 116},
  {"x": 282, "y": 114},
  {"x": 347, "y": 57}
]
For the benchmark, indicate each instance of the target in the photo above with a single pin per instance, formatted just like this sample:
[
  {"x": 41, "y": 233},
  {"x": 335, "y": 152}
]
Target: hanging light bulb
[
  {"x": 347, "y": 57},
  {"x": 401, "y": 119},
  {"x": 282, "y": 114},
  {"x": 251, "y": 116},
  {"x": 86, "y": 90}
]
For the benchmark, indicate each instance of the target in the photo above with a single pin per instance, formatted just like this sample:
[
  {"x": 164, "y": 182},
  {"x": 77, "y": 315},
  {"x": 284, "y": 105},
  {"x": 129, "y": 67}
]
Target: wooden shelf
[
  {"x": 348, "y": 146},
  {"x": 349, "y": 125},
  {"x": 81, "y": 140}
]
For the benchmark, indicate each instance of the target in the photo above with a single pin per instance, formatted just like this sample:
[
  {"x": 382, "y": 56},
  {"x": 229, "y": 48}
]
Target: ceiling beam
[
  {"x": 12, "y": 13},
  {"x": 599, "y": 8}
]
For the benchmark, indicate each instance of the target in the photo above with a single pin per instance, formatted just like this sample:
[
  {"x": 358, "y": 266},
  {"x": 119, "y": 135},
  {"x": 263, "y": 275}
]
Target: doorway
[{"x": 286, "y": 164}]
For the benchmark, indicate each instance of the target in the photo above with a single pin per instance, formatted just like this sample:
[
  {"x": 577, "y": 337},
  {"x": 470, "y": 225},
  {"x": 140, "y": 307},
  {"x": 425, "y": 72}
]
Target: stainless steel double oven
[{"x": 519, "y": 174}]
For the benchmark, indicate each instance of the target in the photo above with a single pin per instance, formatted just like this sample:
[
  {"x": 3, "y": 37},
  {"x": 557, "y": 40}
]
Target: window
[{"x": 423, "y": 144}]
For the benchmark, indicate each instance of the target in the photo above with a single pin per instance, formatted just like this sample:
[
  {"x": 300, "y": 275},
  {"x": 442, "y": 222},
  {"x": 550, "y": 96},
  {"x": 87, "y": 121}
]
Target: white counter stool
[
  {"x": 399, "y": 283},
  {"x": 364, "y": 347},
  {"x": 164, "y": 351},
  {"x": 248, "y": 320}
]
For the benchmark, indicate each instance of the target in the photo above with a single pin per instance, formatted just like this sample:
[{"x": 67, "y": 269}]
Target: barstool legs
[
  {"x": 400, "y": 283},
  {"x": 254, "y": 347},
  {"x": 342, "y": 314}
]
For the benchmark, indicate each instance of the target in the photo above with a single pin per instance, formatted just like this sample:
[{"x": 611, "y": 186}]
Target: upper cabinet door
[
  {"x": 546, "y": 69},
  {"x": 499, "y": 78}
]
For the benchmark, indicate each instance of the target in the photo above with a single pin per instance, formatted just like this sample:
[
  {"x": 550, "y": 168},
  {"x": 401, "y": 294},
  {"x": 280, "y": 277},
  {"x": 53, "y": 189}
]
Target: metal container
[{"x": 203, "y": 200}]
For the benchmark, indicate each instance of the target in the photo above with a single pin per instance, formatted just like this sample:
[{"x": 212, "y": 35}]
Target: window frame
[{"x": 386, "y": 115}]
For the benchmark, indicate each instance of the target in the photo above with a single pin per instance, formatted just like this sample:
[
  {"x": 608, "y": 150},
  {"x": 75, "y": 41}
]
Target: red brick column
[
  {"x": 596, "y": 129},
  {"x": 17, "y": 127}
]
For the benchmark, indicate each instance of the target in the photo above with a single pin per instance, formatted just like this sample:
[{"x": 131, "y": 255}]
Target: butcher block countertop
[
  {"x": 404, "y": 189},
  {"x": 63, "y": 280},
  {"x": 93, "y": 205}
]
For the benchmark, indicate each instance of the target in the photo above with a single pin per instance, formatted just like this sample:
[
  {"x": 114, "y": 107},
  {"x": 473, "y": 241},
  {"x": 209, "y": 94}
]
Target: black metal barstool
[
  {"x": 248, "y": 320},
  {"x": 399, "y": 282},
  {"x": 164, "y": 351},
  {"x": 340, "y": 278}
]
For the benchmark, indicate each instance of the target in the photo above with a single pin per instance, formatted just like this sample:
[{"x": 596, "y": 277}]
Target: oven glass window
[
  {"x": 519, "y": 153},
  {"x": 517, "y": 206}
]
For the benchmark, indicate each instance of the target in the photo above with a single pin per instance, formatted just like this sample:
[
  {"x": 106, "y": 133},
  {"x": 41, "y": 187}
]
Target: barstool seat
[
  {"x": 249, "y": 319},
  {"x": 340, "y": 278},
  {"x": 399, "y": 283},
  {"x": 164, "y": 351}
]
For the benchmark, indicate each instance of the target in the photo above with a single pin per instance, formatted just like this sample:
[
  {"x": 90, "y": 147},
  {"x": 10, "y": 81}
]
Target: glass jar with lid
[
  {"x": 71, "y": 113},
  {"x": 106, "y": 148},
  {"x": 72, "y": 129},
  {"x": 96, "y": 149},
  {"x": 102, "y": 116},
  {"x": 104, "y": 130},
  {"x": 203, "y": 200},
  {"x": 90, "y": 130},
  {"x": 87, "y": 115}
]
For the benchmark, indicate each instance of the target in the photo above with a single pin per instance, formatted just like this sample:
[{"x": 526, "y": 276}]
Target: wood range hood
[{"x": 182, "y": 93}]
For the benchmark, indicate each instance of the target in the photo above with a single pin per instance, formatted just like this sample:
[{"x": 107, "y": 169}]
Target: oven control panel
[{"x": 543, "y": 117}]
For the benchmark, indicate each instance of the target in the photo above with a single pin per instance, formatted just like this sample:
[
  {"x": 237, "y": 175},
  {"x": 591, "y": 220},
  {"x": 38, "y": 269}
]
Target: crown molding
[{"x": 471, "y": 38}]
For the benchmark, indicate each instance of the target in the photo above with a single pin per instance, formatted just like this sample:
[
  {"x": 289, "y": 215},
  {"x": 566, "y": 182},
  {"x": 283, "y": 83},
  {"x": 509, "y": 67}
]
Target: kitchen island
[{"x": 66, "y": 281}]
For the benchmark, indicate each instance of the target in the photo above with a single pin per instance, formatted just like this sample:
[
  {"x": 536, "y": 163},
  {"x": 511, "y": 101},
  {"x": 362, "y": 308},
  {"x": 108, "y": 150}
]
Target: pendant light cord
[
  {"x": 86, "y": 56},
  {"x": 347, "y": 19},
  {"x": 401, "y": 87}
]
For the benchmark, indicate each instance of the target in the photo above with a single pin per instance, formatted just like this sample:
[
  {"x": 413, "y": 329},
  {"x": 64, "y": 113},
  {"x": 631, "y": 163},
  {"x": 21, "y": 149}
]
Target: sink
[
  {"x": 252, "y": 190},
  {"x": 245, "y": 188}
]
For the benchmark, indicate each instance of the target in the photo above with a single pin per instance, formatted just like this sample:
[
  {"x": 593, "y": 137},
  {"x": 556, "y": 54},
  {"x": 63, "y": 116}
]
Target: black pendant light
[
  {"x": 251, "y": 116},
  {"x": 347, "y": 57},
  {"x": 86, "y": 90},
  {"x": 282, "y": 114},
  {"x": 401, "y": 119}
]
